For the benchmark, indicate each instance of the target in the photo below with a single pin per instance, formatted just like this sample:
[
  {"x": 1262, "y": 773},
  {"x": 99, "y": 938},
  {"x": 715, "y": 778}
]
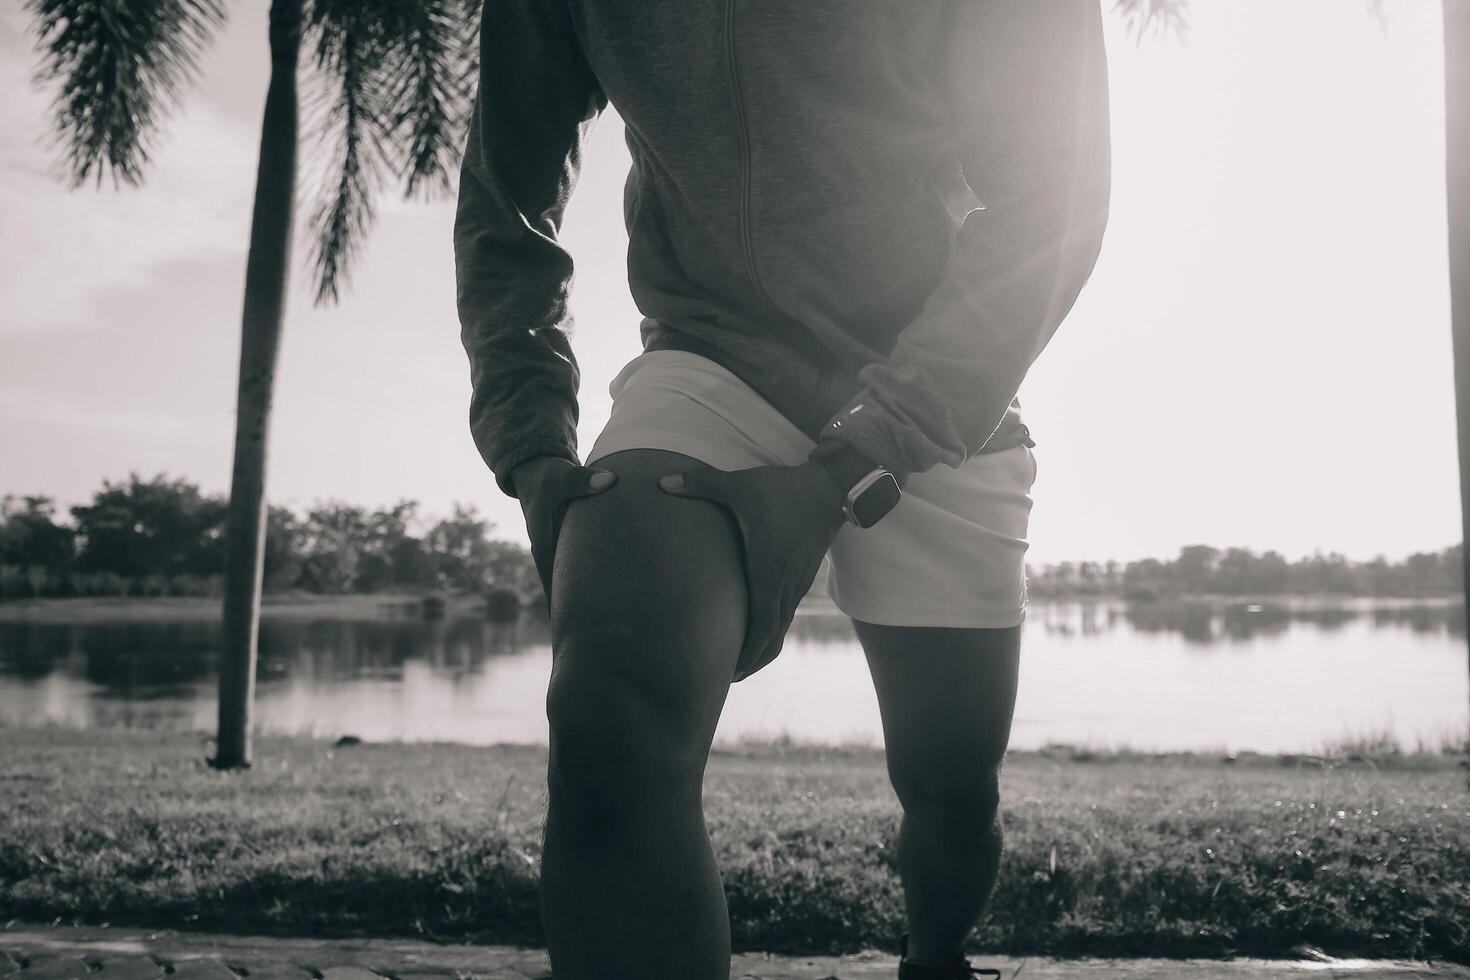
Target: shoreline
[
  {"x": 392, "y": 605},
  {"x": 1371, "y": 755}
]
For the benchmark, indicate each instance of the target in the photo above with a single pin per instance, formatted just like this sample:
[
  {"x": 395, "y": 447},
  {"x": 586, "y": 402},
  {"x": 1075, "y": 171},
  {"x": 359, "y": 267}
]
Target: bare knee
[
  {"x": 963, "y": 799},
  {"x": 620, "y": 746},
  {"x": 648, "y": 614}
]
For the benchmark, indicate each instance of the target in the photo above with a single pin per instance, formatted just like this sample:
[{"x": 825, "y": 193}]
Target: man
[{"x": 853, "y": 225}]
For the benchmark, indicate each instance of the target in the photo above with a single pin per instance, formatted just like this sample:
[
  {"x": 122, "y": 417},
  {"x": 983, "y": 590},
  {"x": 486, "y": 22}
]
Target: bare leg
[
  {"x": 648, "y": 616},
  {"x": 947, "y": 697}
]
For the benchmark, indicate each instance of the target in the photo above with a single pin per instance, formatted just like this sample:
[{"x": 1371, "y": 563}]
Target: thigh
[
  {"x": 648, "y": 597},
  {"x": 947, "y": 696}
]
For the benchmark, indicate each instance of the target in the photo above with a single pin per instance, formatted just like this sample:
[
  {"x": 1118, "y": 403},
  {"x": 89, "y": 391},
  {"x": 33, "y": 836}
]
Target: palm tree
[
  {"x": 398, "y": 77},
  {"x": 1457, "y": 149}
]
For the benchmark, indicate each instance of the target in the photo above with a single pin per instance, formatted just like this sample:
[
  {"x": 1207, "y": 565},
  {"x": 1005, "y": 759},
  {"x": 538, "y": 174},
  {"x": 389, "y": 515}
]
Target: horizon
[
  {"x": 424, "y": 519},
  {"x": 1303, "y": 258}
]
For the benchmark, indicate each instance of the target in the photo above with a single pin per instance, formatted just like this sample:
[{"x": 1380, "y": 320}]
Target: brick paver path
[{"x": 31, "y": 953}]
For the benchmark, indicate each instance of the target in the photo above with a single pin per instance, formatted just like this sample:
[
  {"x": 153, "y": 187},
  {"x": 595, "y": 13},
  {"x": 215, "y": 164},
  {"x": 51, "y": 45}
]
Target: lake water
[{"x": 1274, "y": 678}]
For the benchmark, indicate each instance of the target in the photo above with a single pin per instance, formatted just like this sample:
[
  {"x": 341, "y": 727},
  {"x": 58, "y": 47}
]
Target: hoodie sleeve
[
  {"x": 534, "y": 107},
  {"x": 1028, "y": 90}
]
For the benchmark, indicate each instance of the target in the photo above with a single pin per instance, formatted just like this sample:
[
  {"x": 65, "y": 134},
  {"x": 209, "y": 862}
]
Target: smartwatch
[{"x": 869, "y": 490}]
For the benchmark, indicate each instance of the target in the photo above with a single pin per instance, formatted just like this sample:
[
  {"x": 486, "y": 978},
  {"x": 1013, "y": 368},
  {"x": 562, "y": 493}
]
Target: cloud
[
  {"x": 41, "y": 407},
  {"x": 61, "y": 248}
]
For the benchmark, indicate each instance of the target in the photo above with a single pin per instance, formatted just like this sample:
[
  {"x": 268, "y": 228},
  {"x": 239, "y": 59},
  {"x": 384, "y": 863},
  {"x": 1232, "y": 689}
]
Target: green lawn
[{"x": 1105, "y": 855}]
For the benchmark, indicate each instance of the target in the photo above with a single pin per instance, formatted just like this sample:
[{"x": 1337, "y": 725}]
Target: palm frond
[
  {"x": 425, "y": 88},
  {"x": 1161, "y": 16},
  {"x": 1169, "y": 16},
  {"x": 471, "y": 12},
  {"x": 1378, "y": 13},
  {"x": 395, "y": 85},
  {"x": 351, "y": 127},
  {"x": 121, "y": 65}
]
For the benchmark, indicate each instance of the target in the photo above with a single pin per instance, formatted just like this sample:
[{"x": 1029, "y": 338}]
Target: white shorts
[{"x": 952, "y": 553}]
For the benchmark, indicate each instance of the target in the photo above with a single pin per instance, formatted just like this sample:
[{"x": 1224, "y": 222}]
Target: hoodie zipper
[
  {"x": 744, "y": 217},
  {"x": 827, "y": 377}
]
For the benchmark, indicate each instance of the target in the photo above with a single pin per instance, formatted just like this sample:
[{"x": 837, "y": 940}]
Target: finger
[
  {"x": 586, "y": 481},
  {"x": 702, "y": 481},
  {"x": 543, "y": 576},
  {"x": 538, "y": 558},
  {"x": 761, "y": 627},
  {"x": 553, "y": 533},
  {"x": 769, "y": 652},
  {"x": 543, "y": 550}
]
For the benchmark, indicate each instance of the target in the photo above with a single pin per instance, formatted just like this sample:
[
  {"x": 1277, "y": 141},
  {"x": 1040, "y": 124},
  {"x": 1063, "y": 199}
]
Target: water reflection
[
  {"x": 1098, "y": 670},
  {"x": 1213, "y": 623}
]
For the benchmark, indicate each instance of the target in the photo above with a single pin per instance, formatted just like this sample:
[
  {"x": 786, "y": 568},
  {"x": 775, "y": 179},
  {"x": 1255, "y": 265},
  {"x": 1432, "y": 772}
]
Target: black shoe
[{"x": 957, "y": 969}]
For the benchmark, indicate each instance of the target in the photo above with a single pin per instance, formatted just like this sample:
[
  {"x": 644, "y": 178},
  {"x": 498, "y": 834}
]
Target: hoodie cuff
[{"x": 863, "y": 424}]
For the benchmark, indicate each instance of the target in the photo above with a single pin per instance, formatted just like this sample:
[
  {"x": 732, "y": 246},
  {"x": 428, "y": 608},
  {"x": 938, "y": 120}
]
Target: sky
[{"x": 1261, "y": 358}]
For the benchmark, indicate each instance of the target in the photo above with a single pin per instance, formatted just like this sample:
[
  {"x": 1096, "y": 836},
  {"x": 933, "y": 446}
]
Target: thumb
[
  {"x": 588, "y": 481},
  {"x": 701, "y": 481}
]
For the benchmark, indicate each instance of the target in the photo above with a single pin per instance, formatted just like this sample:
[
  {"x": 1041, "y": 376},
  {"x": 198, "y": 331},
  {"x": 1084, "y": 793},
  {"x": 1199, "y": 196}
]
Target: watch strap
[{"x": 843, "y": 461}]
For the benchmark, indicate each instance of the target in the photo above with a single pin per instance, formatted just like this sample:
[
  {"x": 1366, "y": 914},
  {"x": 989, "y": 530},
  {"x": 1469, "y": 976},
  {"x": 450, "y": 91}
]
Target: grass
[
  {"x": 106, "y": 609},
  {"x": 1108, "y": 853},
  {"x": 371, "y": 605},
  {"x": 1381, "y": 743}
]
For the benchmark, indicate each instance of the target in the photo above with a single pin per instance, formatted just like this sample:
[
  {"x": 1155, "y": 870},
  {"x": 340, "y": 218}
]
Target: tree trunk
[
  {"x": 1457, "y": 145},
  {"x": 266, "y": 276}
]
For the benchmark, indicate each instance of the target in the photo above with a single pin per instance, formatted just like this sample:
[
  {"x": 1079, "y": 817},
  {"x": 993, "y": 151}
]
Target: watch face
[{"x": 876, "y": 501}]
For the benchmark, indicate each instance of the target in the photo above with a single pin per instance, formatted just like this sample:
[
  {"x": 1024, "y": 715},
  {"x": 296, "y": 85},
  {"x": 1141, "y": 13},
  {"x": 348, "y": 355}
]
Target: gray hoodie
[{"x": 874, "y": 212}]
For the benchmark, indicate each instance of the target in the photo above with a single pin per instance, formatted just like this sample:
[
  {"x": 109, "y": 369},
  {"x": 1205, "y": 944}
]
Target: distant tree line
[
  {"x": 1203, "y": 570},
  {"x": 164, "y": 537}
]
